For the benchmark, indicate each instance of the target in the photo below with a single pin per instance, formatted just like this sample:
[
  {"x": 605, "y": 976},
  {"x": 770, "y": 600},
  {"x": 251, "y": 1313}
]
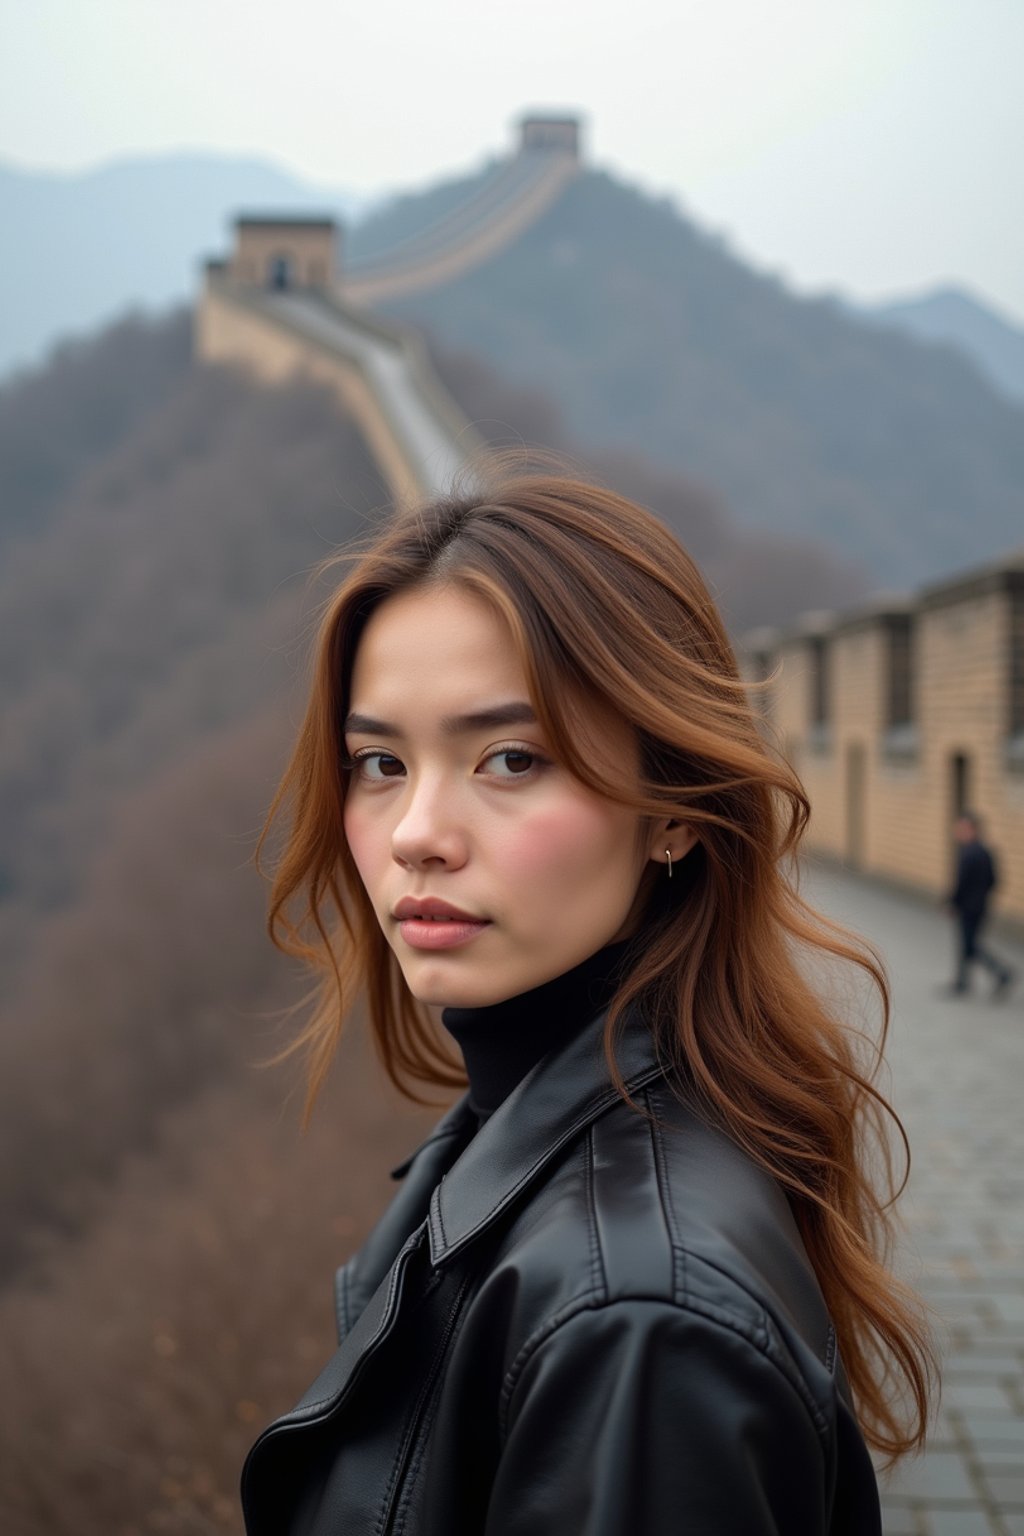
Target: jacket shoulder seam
[
  {"x": 765, "y": 1340},
  {"x": 828, "y": 1350},
  {"x": 586, "y": 1301},
  {"x": 768, "y": 1343}
]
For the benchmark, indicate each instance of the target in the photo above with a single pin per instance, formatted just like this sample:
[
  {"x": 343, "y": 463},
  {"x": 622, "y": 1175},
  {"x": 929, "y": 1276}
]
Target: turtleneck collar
[{"x": 500, "y": 1043}]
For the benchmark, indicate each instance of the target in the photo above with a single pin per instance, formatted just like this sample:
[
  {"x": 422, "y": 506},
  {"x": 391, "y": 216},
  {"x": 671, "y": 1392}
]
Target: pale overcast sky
[{"x": 870, "y": 146}]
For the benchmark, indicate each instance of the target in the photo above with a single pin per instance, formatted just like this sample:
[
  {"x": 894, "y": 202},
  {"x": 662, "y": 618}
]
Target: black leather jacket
[{"x": 574, "y": 1322}]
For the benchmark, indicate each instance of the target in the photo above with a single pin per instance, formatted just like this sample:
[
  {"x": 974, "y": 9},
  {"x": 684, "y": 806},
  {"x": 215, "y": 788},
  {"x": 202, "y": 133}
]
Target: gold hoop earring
[{"x": 668, "y": 855}]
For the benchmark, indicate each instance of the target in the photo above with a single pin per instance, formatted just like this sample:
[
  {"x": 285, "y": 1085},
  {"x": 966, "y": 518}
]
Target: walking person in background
[{"x": 976, "y": 879}]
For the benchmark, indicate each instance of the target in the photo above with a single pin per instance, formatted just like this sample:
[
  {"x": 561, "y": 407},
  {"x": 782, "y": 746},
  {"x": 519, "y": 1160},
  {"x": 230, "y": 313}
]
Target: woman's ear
[{"x": 671, "y": 837}]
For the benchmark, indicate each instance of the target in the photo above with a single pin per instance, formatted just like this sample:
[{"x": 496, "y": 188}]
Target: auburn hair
[{"x": 605, "y": 606}]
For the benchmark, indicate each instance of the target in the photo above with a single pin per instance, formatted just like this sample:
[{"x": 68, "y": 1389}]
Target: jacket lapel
[
  {"x": 557, "y": 1100},
  {"x": 358, "y": 1280}
]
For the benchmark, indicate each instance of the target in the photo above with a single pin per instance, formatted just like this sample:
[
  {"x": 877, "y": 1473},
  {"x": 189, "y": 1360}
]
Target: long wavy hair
[{"x": 605, "y": 606}]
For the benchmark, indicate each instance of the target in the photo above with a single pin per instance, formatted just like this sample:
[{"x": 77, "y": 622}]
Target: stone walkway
[{"x": 957, "y": 1080}]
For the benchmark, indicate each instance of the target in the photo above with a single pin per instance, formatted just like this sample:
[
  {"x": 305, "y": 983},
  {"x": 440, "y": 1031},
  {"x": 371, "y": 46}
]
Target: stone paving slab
[{"x": 955, "y": 1074}]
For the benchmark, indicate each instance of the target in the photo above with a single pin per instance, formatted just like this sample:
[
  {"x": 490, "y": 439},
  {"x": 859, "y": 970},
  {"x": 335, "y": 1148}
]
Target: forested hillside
[
  {"x": 155, "y": 585},
  {"x": 152, "y": 605},
  {"x": 808, "y": 421},
  {"x": 60, "y": 420}
]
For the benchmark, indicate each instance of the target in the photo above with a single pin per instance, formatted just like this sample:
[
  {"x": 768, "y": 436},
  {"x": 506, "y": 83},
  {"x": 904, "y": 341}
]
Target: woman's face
[{"x": 456, "y": 802}]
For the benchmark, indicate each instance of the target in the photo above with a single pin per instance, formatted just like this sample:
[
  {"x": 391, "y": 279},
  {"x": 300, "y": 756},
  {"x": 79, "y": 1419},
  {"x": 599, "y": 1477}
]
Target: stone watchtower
[
  {"x": 560, "y": 134},
  {"x": 282, "y": 252}
]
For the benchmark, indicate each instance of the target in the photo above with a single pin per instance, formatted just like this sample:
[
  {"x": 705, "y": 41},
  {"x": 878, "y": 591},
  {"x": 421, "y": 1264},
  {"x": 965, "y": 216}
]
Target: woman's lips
[{"x": 440, "y": 933}]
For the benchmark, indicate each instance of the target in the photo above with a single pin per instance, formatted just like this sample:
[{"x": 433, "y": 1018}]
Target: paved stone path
[{"x": 957, "y": 1081}]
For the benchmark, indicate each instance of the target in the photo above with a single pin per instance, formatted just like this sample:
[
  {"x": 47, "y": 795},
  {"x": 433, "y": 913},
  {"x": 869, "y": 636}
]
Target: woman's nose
[{"x": 429, "y": 830}]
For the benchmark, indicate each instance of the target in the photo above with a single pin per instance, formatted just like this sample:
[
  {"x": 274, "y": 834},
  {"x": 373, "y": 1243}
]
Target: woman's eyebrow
[{"x": 497, "y": 715}]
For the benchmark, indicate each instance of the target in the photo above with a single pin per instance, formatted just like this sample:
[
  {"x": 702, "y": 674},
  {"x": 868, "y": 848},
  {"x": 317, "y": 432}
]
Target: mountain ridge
[{"x": 953, "y": 316}]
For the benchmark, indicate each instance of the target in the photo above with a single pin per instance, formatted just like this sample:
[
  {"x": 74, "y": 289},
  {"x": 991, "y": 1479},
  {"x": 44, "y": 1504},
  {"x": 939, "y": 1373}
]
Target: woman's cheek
[
  {"x": 551, "y": 844},
  {"x": 363, "y": 842}
]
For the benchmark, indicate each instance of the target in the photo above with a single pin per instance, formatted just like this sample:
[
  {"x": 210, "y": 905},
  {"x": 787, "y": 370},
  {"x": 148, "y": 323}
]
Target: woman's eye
[
  {"x": 376, "y": 766},
  {"x": 512, "y": 762}
]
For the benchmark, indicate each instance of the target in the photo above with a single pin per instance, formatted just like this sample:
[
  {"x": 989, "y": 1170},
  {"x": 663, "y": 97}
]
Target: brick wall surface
[{"x": 883, "y": 801}]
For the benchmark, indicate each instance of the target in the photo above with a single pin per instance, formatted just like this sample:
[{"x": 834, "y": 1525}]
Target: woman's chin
[{"x": 434, "y": 984}]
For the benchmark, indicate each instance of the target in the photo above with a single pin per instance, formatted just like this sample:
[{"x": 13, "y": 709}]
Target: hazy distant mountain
[
  {"x": 810, "y": 421},
  {"x": 953, "y": 316},
  {"x": 81, "y": 249}
]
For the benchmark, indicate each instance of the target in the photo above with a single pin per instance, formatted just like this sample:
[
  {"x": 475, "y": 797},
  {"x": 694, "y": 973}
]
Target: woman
[{"x": 632, "y": 1281}]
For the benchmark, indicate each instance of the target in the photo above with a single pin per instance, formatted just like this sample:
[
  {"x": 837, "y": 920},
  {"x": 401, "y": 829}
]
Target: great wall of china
[{"x": 282, "y": 306}]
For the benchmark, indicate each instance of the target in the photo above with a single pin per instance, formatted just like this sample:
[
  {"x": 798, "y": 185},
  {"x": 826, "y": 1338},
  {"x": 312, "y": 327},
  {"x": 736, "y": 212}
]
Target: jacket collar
[{"x": 556, "y": 1100}]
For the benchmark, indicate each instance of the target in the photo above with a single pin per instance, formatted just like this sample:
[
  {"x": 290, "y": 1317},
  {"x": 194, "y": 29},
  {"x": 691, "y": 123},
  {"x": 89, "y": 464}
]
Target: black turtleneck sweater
[{"x": 500, "y": 1043}]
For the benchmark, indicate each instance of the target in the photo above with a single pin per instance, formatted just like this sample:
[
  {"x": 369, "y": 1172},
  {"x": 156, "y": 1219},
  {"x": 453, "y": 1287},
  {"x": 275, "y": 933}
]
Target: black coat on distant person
[
  {"x": 576, "y": 1320},
  {"x": 976, "y": 878}
]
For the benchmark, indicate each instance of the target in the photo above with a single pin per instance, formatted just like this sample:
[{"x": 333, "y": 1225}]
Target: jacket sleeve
[{"x": 640, "y": 1418}]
